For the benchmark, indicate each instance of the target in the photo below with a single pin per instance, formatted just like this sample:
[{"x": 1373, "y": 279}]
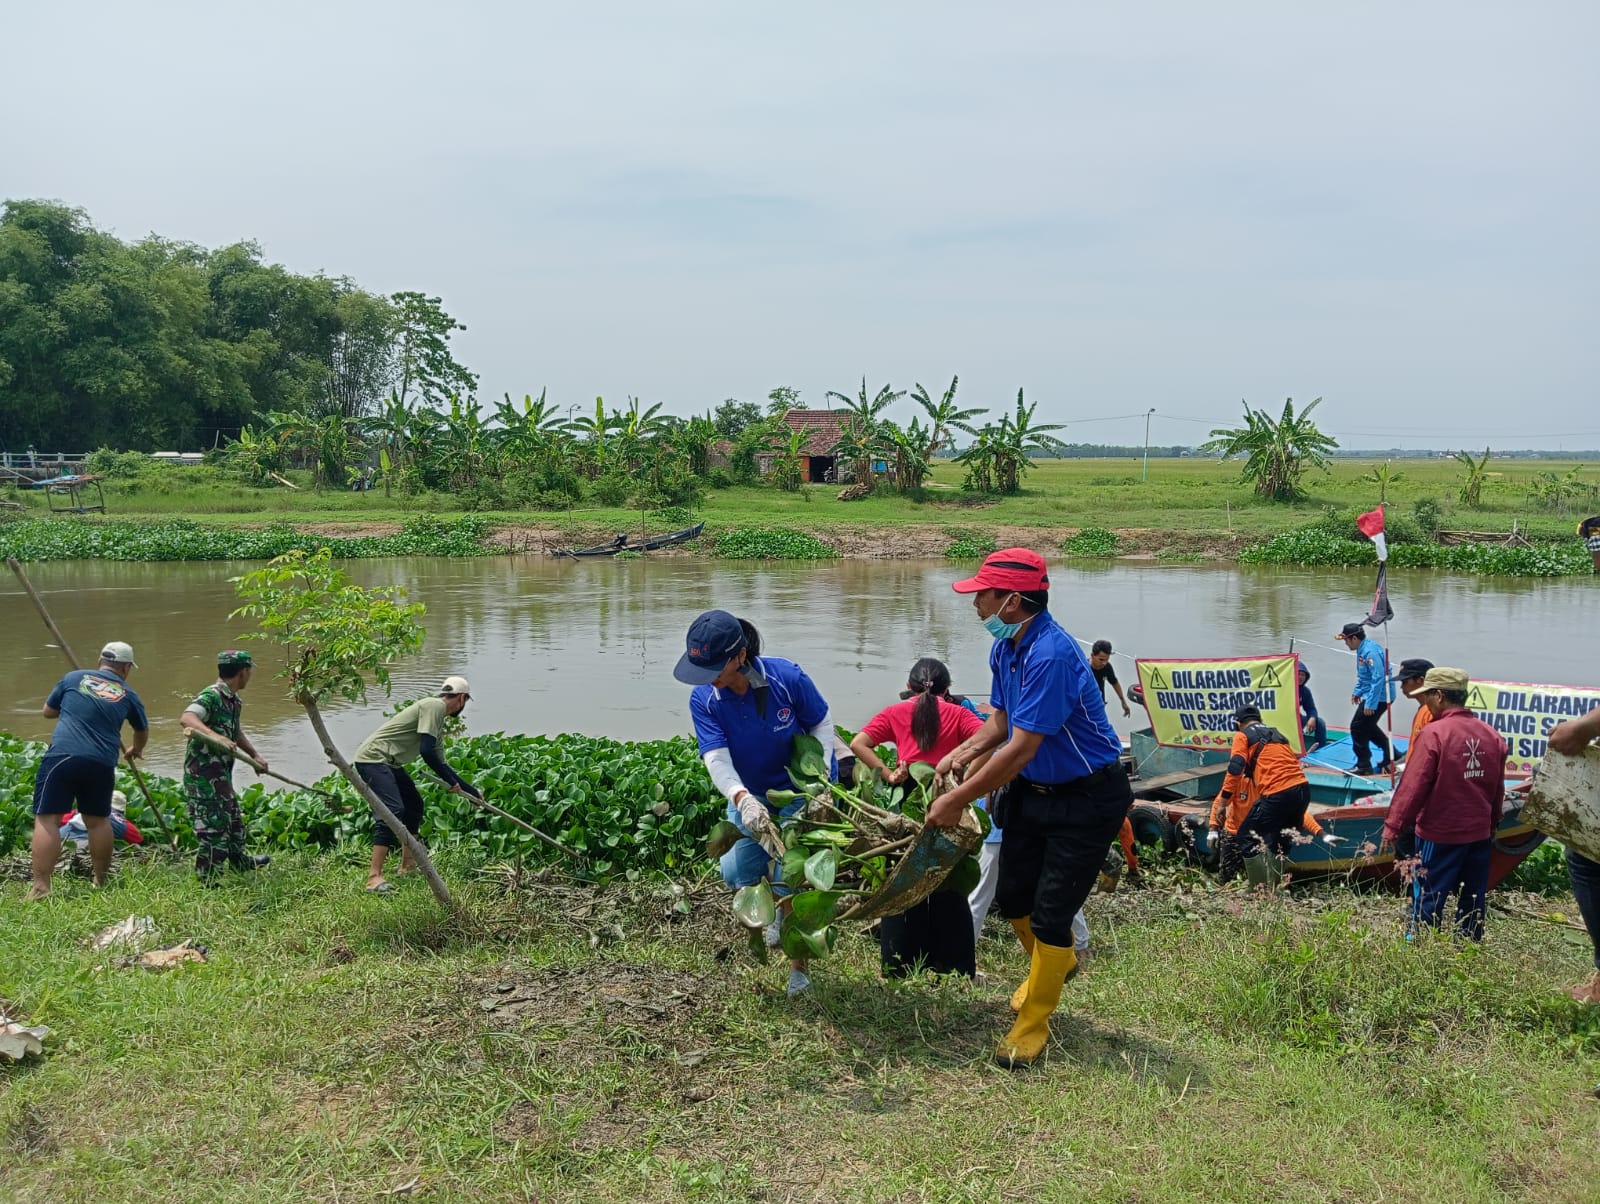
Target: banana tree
[
  {"x": 1471, "y": 493},
  {"x": 860, "y": 437},
  {"x": 944, "y": 417},
  {"x": 388, "y": 430}
]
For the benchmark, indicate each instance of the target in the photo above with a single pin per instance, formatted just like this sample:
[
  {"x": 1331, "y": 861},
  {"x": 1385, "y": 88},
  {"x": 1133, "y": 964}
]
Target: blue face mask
[{"x": 999, "y": 628}]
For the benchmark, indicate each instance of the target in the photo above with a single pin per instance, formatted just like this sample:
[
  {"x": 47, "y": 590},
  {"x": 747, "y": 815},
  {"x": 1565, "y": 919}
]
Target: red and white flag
[{"x": 1371, "y": 525}]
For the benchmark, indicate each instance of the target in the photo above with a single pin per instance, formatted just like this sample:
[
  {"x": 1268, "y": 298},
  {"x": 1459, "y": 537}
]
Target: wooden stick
[
  {"x": 480, "y": 801},
  {"x": 260, "y": 767},
  {"x": 61, "y": 642}
]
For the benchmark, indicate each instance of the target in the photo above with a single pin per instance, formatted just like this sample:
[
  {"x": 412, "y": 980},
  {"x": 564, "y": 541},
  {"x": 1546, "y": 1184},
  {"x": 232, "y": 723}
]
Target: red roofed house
[{"x": 822, "y": 428}]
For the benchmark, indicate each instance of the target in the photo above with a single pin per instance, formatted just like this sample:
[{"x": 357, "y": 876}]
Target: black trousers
[
  {"x": 1052, "y": 847},
  {"x": 399, "y": 793},
  {"x": 1273, "y": 819},
  {"x": 1365, "y": 731},
  {"x": 936, "y": 935}
]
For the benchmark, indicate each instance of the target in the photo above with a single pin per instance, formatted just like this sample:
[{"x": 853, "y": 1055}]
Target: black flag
[{"x": 1382, "y": 612}]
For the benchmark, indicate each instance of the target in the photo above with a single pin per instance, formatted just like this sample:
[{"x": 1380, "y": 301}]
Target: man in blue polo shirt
[
  {"x": 747, "y": 710},
  {"x": 1065, "y": 794},
  {"x": 79, "y": 769},
  {"x": 1371, "y": 697}
]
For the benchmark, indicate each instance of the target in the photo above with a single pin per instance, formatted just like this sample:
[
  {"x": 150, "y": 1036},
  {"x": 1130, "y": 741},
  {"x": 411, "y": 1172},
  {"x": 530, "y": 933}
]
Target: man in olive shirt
[{"x": 382, "y": 759}]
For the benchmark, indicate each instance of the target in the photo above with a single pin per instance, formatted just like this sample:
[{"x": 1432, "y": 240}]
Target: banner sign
[
  {"x": 1191, "y": 702},
  {"x": 1524, "y": 714}
]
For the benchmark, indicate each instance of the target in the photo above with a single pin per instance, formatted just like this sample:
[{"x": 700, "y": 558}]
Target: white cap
[
  {"x": 456, "y": 685},
  {"x": 119, "y": 653},
  {"x": 119, "y": 801}
]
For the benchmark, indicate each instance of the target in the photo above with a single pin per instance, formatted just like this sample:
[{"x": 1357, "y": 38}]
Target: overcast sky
[{"x": 1118, "y": 207}]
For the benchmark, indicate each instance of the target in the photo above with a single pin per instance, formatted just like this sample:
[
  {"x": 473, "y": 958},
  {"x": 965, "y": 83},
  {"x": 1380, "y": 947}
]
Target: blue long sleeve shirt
[{"x": 1372, "y": 675}]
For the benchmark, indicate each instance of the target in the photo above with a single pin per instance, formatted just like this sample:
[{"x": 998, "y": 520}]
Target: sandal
[{"x": 382, "y": 888}]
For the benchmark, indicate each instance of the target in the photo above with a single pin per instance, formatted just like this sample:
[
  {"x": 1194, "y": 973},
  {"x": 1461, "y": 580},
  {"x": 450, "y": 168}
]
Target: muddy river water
[{"x": 554, "y": 646}]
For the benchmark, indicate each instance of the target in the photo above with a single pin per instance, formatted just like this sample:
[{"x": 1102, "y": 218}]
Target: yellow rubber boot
[
  {"x": 1052, "y": 966},
  {"x": 1024, "y": 931}
]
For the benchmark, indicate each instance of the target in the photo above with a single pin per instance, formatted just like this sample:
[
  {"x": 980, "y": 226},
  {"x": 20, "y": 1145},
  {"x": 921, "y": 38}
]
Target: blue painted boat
[{"x": 1174, "y": 787}]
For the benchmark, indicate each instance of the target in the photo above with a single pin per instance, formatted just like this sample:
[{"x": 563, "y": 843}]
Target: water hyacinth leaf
[
  {"x": 724, "y": 835},
  {"x": 915, "y": 805},
  {"x": 985, "y": 824},
  {"x": 808, "y": 760},
  {"x": 801, "y": 944},
  {"x": 754, "y": 906},
  {"x": 897, "y": 796},
  {"x": 867, "y": 787},
  {"x": 822, "y": 868},
  {"x": 794, "y": 868},
  {"x": 922, "y": 773},
  {"x": 814, "y": 910},
  {"x": 758, "y": 945},
  {"x": 782, "y": 798},
  {"x": 845, "y": 734},
  {"x": 963, "y": 879}
]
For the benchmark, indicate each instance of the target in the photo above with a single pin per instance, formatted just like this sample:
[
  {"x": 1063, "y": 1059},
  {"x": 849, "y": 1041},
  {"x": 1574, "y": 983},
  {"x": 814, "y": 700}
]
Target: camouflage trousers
[{"x": 218, "y": 830}]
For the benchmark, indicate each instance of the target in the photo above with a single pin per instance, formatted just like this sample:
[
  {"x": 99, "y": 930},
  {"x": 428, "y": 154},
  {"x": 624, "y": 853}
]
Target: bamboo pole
[{"x": 61, "y": 642}]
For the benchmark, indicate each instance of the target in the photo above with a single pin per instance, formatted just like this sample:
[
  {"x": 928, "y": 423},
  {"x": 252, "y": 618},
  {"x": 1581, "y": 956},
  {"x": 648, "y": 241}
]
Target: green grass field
[
  {"x": 1191, "y": 503},
  {"x": 587, "y": 1045}
]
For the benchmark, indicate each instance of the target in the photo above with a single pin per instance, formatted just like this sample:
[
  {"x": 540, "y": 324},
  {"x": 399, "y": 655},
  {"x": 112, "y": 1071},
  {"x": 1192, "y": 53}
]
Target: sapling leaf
[
  {"x": 723, "y": 836},
  {"x": 821, "y": 868},
  {"x": 753, "y": 906}
]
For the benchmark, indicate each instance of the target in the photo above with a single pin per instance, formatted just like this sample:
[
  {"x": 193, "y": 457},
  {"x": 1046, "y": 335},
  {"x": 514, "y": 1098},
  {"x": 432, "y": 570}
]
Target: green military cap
[{"x": 234, "y": 658}]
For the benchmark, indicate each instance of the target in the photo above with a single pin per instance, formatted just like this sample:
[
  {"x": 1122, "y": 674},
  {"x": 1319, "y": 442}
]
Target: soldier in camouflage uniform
[{"x": 208, "y": 770}]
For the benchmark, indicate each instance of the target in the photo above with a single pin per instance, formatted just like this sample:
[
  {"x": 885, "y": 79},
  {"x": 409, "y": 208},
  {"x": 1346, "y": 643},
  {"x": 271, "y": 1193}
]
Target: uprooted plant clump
[{"x": 850, "y": 852}]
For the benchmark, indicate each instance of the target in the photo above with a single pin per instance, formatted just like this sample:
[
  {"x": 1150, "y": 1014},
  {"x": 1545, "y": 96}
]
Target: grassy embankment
[
  {"x": 1187, "y": 507},
  {"x": 592, "y": 1045}
]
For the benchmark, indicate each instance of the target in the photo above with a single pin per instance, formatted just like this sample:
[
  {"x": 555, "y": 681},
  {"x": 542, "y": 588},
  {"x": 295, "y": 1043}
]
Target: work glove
[{"x": 1330, "y": 838}]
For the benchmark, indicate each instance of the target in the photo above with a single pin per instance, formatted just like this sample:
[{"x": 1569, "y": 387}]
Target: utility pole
[{"x": 1146, "y": 476}]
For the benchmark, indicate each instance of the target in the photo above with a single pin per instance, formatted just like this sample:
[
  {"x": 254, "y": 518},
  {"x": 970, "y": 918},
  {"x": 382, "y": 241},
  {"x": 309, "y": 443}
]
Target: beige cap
[
  {"x": 119, "y": 801},
  {"x": 119, "y": 653},
  {"x": 1440, "y": 678},
  {"x": 456, "y": 685}
]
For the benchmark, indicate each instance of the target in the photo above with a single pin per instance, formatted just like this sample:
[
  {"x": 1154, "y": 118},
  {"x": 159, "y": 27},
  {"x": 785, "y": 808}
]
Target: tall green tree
[
  {"x": 425, "y": 367},
  {"x": 783, "y": 399},
  {"x": 1277, "y": 451}
]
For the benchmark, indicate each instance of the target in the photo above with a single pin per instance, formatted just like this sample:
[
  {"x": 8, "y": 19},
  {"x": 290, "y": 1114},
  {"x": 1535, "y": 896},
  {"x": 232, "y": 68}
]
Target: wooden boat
[
  {"x": 1174, "y": 787},
  {"x": 621, "y": 544}
]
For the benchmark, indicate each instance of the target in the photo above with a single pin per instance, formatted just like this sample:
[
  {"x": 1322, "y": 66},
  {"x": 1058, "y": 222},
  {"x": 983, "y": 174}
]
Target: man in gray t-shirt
[{"x": 382, "y": 759}]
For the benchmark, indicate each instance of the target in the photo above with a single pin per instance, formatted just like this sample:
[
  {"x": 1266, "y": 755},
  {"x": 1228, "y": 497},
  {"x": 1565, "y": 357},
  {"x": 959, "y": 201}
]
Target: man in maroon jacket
[{"x": 1453, "y": 792}]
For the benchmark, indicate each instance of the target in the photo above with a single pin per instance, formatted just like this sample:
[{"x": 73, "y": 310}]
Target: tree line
[{"x": 165, "y": 344}]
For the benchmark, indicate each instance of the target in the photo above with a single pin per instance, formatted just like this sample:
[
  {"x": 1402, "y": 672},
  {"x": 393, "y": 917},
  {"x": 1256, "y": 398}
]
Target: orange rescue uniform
[{"x": 1276, "y": 769}]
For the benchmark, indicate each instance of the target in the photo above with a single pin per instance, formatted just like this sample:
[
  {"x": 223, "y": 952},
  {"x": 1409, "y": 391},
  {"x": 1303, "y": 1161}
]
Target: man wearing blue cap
[{"x": 747, "y": 710}]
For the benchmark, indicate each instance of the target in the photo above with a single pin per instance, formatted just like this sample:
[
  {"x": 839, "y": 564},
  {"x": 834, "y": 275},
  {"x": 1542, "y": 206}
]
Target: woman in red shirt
[{"x": 936, "y": 933}]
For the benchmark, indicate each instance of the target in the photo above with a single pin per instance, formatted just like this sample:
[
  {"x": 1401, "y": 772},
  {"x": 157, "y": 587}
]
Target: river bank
[{"x": 619, "y": 1044}]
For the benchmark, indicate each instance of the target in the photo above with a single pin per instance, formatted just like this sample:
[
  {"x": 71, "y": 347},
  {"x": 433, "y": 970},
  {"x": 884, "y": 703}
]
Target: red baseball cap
[{"x": 1008, "y": 569}]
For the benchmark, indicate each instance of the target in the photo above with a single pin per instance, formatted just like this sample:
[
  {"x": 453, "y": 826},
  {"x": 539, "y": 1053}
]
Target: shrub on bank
[
  {"x": 771, "y": 543},
  {"x": 1091, "y": 541},
  {"x": 183, "y": 539},
  {"x": 969, "y": 545}
]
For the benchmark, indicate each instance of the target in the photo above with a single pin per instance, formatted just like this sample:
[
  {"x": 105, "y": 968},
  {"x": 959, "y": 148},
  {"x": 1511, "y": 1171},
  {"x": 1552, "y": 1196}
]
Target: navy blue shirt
[
  {"x": 1045, "y": 685},
  {"x": 760, "y": 744},
  {"x": 1308, "y": 704},
  {"x": 93, "y": 705}
]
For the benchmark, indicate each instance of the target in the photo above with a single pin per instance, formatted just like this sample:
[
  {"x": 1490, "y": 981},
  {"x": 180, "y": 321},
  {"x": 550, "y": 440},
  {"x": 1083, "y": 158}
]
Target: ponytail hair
[{"x": 929, "y": 681}]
